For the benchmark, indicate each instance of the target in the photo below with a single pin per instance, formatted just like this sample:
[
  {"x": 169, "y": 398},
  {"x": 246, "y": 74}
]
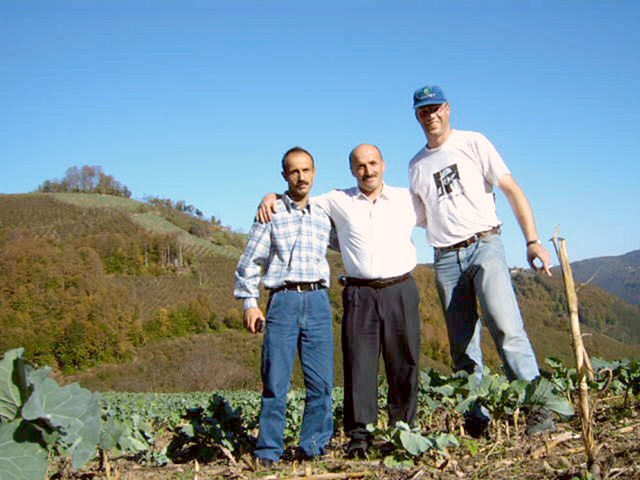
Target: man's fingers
[
  {"x": 546, "y": 266},
  {"x": 545, "y": 258},
  {"x": 264, "y": 214},
  {"x": 269, "y": 211},
  {"x": 539, "y": 253},
  {"x": 543, "y": 264}
]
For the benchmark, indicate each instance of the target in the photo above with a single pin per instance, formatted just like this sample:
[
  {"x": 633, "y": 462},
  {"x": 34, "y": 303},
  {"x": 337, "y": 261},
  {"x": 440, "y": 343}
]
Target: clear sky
[{"x": 197, "y": 100}]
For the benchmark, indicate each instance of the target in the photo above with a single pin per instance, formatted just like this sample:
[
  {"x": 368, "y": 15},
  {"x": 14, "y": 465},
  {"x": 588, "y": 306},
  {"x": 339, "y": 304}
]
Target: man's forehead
[
  {"x": 298, "y": 160},
  {"x": 367, "y": 153},
  {"x": 432, "y": 106}
]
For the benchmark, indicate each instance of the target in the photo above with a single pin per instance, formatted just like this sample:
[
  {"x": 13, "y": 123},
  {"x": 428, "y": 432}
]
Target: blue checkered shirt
[{"x": 291, "y": 248}]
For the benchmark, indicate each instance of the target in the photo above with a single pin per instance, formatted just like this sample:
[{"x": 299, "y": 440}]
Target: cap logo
[{"x": 428, "y": 92}]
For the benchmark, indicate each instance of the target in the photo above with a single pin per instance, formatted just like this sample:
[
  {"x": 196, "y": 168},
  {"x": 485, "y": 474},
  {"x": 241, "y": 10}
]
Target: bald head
[
  {"x": 367, "y": 166},
  {"x": 364, "y": 149}
]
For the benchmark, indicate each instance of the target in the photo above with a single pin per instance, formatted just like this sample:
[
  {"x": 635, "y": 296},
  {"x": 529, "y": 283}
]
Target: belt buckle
[{"x": 298, "y": 288}]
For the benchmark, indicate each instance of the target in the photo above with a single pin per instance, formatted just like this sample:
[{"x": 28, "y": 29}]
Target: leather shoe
[
  {"x": 300, "y": 455},
  {"x": 357, "y": 448},
  {"x": 539, "y": 420},
  {"x": 264, "y": 462},
  {"x": 476, "y": 421}
]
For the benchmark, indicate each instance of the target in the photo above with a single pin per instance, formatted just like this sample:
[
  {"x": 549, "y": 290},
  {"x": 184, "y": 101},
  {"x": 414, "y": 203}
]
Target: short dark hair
[{"x": 295, "y": 150}]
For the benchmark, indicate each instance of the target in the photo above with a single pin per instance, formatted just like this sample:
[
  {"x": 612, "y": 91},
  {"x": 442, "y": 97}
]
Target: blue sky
[{"x": 197, "y": 100}]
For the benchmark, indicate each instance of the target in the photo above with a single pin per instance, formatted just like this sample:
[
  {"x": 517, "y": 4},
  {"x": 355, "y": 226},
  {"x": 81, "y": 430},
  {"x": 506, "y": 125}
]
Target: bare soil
[{"x": 506, "y": 455}]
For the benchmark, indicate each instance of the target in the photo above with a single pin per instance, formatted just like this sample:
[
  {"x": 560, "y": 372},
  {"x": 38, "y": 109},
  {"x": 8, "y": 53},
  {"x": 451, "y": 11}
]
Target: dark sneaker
[
  {"x": 301, "y": 456},
  {"x": 264, "y": 462},
  {"x": 539, "y": 420},
  {"x": 476, "y": 422},
  {"x": 357, "y": 448},
  {"x": 477, "y": 427}
]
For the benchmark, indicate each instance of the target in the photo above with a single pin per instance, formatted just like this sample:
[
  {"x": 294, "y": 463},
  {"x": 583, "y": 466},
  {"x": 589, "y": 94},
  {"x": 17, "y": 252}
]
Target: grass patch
[
  {"x": 97, "y": 200},
  {"x": 199, "y": 246}
]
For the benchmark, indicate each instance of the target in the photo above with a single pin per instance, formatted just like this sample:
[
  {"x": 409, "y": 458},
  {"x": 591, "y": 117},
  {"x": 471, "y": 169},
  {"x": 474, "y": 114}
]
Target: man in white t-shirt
[{"x": 453, "y": 177}]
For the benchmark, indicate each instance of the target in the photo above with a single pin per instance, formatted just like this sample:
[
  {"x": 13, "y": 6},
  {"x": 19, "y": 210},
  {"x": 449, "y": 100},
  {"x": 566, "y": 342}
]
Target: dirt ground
[{"x": 505, "y": 455}]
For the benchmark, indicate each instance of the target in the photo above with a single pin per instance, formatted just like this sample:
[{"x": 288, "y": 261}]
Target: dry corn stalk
[{"x": 582, "y": 363}]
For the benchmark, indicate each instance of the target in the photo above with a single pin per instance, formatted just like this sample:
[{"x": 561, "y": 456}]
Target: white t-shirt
[
  {"x": 375, "y": 236},
  {"x": 455, "y": 183}
]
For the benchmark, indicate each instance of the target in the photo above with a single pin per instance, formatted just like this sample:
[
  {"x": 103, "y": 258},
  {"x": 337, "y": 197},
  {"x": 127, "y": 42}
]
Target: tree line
[{"x": 88, "y": 178}]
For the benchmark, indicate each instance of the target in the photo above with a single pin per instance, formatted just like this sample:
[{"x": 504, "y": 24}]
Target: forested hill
[
  {"x": 619, "y": 275},
  {"x": 88, "y": 278},
  {"x": 138, "y": 295}
]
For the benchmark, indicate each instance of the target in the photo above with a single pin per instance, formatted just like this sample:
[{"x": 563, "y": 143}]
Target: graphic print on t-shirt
[{"x": 447, "y": 180}]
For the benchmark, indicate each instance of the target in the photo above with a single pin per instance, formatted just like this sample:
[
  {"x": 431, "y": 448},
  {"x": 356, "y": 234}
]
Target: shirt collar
[
  {"x": 384, "y": 193},
  {"x": 290, "y": 204}
]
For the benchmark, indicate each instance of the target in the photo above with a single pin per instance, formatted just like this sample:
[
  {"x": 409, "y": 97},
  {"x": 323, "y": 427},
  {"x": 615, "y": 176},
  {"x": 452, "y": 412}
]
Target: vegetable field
[{"x": 65, "y": 432}]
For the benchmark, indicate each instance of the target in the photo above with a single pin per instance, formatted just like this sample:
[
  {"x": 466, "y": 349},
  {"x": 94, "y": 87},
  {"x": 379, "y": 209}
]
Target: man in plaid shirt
[{"x": 289, "y": 255}]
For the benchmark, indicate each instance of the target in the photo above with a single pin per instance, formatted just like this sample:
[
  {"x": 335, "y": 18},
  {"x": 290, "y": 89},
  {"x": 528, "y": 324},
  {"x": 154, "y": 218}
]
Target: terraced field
[{"x": 193, "y": 245}]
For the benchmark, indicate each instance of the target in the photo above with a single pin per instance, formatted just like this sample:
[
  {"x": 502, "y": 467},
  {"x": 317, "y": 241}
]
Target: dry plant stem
[
  {"x": 578, "y": 348},
  {"x": 587, "y": 362},
  {"x": 418, "y": 475},
  {"x": 196, "y": 470},
  {"x": 331, "y": 476},
  {"x": 544, "y": 450}
]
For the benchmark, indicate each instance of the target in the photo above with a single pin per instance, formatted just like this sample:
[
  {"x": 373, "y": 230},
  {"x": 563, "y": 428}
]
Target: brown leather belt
[
  {"x": 374, "y": 282},
  {"x": 471, "y": 240},
  {"x": 299, "y": 287}
]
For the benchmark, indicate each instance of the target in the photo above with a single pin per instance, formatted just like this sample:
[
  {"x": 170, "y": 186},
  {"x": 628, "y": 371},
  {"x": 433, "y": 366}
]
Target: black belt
[
  {"x": 299, "y": 287},
  {"x": 471, "y": 240},
  {"x": 374, "y": 282}
]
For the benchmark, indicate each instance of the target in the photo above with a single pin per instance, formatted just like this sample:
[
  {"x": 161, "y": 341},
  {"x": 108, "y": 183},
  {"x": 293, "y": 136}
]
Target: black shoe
[
  {"x": 264, "y": 462},
  {"x": 300, "y": 455},
  {"x": 382, "y": 446},
  {"x": 539, "y": 420},
  {"x": 476, "y": 423},
  {"x": 357, "y": 448}
]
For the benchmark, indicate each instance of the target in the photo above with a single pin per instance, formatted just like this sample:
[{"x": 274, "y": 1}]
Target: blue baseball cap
[{"x": 428, "y": 95}]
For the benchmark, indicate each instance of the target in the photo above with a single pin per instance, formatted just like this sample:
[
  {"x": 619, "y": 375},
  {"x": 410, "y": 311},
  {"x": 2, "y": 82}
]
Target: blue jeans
[
  {"x": 297, "y": 321},
  {"x": 481, "y": 270}
]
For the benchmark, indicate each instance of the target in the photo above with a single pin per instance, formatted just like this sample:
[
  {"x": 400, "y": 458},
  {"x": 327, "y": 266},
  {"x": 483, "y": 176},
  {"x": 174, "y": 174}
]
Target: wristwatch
[{"x": 534, "y": 242}]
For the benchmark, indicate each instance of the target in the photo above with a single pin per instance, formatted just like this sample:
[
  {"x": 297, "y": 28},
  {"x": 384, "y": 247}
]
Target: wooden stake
[{"x": 582, "y": 363}]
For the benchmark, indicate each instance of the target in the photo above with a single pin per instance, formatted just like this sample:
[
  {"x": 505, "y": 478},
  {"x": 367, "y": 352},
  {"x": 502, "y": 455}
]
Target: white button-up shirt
[{"x": 375, "y": 236}]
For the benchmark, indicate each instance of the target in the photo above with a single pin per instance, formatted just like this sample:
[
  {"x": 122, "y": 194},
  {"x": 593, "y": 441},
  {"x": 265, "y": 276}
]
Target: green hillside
[{"x": 130, "y": 295}]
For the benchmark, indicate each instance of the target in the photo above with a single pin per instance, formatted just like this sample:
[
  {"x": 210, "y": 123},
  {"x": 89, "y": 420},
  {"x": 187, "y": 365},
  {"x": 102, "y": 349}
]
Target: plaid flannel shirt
[{"x": 291, "y": 248}]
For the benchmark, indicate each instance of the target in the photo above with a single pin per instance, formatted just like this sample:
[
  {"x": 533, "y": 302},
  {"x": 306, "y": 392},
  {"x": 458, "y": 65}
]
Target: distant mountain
[{"x": 619, "y": 275}]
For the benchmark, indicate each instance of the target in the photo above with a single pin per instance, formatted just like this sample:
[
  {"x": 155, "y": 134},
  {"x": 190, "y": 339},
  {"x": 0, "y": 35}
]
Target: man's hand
[
  {"x": 267, "y": 208},
  {"x": 535, "y": 250},
  {"x": 253, "y": 319}
]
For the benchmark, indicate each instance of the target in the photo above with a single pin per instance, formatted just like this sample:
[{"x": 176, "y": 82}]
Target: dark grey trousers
[{"x": 376, "y": 321}]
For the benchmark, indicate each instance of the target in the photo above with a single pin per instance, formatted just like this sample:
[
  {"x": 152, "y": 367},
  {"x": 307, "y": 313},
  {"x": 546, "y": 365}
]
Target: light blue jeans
[
  {"x": 297, "y": 321},
  {"x": 480, "y": 270}
]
